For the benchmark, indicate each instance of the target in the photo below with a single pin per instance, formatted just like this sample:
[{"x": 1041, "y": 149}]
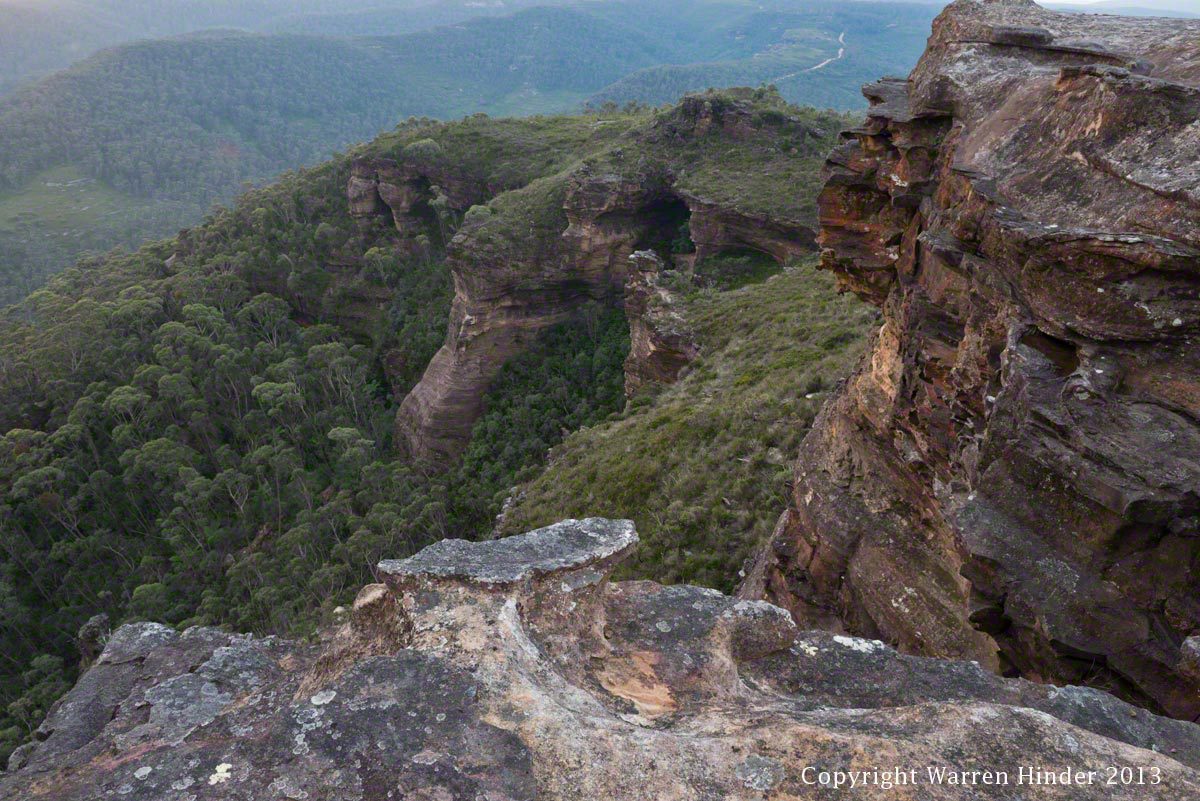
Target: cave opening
[
  {"x": 665, "y": 224},
  {"x": 1062, "y": 354}
]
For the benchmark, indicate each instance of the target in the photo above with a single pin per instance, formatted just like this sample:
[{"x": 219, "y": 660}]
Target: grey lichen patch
[
  {"x": 682, "y": 616},
  {"x": 760, "y": 773},
  {"x": 757, "y": 628},
  {"x": 243, "y": 665},
  {"x": 181, "y": 703},
  {"x": 559, "y": 548},
  {"x": 134, "y": 641}
]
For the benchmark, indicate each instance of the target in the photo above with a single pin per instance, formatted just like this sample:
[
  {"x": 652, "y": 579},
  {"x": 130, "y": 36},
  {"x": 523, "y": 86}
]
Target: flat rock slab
[
  {"x": 655, "y": 693},
  {"x": 562, "y": 547}
]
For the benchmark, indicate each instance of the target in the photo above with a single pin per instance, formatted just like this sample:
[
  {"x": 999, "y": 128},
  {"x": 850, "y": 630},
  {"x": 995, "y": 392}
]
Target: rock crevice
[
  {"x": 1013, "y": 473},
  {"x": 514, "y": 669}
]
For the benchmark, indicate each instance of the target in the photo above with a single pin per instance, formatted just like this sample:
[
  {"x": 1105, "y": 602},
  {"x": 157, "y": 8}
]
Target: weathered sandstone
[
  {"x": 406, "y": 191},
  {"x": 1013, "y": 473},
  {"x": 552, "y": 246},
  {"x": 513, "y": 669},
  {"x": 661, "y": 344}
]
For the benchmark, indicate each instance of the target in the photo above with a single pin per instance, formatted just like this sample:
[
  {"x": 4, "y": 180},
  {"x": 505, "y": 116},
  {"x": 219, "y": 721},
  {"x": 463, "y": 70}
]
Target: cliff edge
[
  {"x": 513, "y": 669},
  {"x": 1013, "y": 473},
  {"x": 716, "y": 173}
]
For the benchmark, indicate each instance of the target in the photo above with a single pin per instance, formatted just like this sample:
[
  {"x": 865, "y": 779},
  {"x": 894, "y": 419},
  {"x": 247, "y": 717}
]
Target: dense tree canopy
[
  {"x": 201, "y": 431},
  {"x": 138, "y": 141}
]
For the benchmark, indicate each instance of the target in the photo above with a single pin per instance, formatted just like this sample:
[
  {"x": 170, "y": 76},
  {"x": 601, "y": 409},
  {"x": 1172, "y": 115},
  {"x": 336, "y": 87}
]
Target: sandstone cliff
[
  {"x": 532, "y": 256},
  {"x": 1013, "y": 473},
  {"x": 661, "y": 344},
  {"x": 514, "y": 669},
  {"x": 410, "y": 194}
]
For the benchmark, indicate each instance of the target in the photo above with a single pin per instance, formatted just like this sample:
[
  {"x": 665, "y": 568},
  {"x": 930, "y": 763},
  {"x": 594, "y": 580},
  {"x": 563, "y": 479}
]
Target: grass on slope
[
  {"x": 768, "y": 163},
  {"x": 61, "y": 197},
  {"x": 506, "y": 152},
  {"x": 704, "y": 468},
  {"x": 763, "y": 173},
  {"x": 60, "y": 213}
]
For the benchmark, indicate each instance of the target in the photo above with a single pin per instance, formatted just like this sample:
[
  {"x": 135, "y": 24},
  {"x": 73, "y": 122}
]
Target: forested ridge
[
  {"x": 201, "y": 431},
  {"x": 39, "y": 36},
  {"x": 137, "y": 141},
  {"x": 154, "y": 132}
]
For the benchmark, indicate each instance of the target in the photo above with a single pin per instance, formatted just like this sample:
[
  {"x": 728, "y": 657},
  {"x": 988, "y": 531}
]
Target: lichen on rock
[{"x": 520, "y": 672}]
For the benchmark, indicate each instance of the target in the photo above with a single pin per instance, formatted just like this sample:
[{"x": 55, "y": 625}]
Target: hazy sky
[{"x": 1192, "y": 6}]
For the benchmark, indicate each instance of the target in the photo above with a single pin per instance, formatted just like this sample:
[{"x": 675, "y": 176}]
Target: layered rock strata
[
  {"x": 533, "y": 257},
  {"x": 661, "y": 344},
  {"x": 514, "y": 669},
  {"x": 1013, "y": 473},
  {"x": 407, "y": 193}
]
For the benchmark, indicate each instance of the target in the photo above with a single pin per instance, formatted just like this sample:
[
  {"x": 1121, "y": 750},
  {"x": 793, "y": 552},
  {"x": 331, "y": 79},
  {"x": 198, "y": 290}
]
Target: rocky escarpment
[
  {"x": 1013, "y": 473},
  {"x": 412, "y": 194},
  {"x": 661, "y": 344},
  {"x": 533, "y": 256},
  {"x": 514, "y": 669}
]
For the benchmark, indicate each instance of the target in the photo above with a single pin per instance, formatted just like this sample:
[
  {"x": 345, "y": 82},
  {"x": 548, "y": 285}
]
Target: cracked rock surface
[
  {"x": 514, "y": 669},
  {"x": 1012, "y": 475}
]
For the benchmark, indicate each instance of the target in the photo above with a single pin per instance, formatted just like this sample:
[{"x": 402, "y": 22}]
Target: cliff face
[
  {"x": 514, "y": 669},
  {"x": 1013, "y": 473},
  {"x": 534, "y": 255},
  {"x": 661, "y": 344},
  {"x": 409, "y": 193}
]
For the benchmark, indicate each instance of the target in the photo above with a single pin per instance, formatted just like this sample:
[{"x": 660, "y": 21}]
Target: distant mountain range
[
  {"x": 40, "y": 36},
  {"x": 138, "y": 140}
]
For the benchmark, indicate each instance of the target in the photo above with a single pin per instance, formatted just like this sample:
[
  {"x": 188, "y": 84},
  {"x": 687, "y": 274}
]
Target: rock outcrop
[
  {"x": 514, "y": 669},
  {"x": 661, "y": 343},
  {"x": 535, "y": 255},
  {"x": 1013, "y": 473},
  {"x": 409, "y": 193}
]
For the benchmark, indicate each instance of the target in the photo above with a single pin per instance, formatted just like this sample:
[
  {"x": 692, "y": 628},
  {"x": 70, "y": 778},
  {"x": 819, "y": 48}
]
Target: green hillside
[
  {"x": 164, "y": 128},
  {"x": 185, "y": 122},
  {"x": 40, "y": 36},
  {"x": 60, "y": 212},
  {"x": 703, "y": 468},
  {"x": 201, "y": 431}
]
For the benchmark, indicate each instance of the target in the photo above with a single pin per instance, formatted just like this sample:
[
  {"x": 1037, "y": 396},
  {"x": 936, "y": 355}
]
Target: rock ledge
[
  {"x": 561, "y": 547},
  {"x": 514, "y": 670}
]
